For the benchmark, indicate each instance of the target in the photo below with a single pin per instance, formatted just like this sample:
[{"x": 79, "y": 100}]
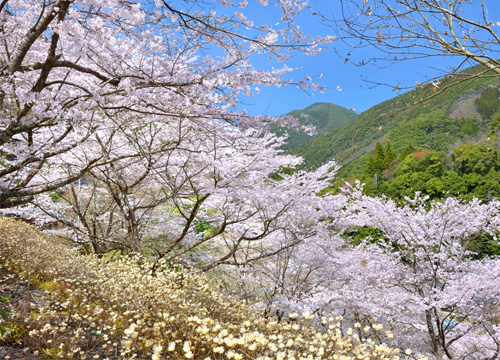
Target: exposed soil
[{"x": 464, "y": 107}]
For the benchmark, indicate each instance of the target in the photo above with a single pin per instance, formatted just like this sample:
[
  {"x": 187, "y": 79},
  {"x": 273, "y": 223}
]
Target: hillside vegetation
[
  {"x": 427, "y": 125},
  {"x": 80, "y": 307},
  {"x": 469, "y": 171}
]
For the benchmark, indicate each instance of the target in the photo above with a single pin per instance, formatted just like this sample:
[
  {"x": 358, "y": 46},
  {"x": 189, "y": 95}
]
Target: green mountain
[
  {"x": 448, "y": 144},
  {"x": 445, "y": 118},
  {"x": 324, "y": 116}
]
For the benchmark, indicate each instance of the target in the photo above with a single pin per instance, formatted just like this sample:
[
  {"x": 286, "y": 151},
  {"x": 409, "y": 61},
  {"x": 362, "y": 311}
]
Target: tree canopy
[
  {"x": 76, "y": 73},
  {"x": 408, "y": 30}
]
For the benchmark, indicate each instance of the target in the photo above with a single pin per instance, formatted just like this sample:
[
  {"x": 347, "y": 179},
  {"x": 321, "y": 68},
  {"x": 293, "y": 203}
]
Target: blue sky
[{"x": 356, "y": 92}]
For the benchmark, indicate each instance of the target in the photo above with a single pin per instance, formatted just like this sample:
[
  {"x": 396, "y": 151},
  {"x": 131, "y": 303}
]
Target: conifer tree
[
  {"x": 379, "y": 159},
  {"x": 370, "y": 166},
  {"x": 389, "y": 155}
]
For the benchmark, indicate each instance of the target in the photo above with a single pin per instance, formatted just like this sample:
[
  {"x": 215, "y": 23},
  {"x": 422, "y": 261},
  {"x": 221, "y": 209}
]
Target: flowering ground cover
[{"x": 83, "y": 307}]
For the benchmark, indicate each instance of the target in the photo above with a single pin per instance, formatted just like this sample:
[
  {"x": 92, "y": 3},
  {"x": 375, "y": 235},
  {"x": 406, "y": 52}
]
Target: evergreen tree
[
  {"x": 379, "y": 159},
  {"x": 370, "y": 166},
  {"x": 389, "y": 156},
  {"x": 469, "y": 126}
]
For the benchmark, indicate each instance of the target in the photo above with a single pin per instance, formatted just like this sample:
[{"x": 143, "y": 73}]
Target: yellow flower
[
  {"x": 219, "y": 350},
  {"x": 157, "y": 349},
  {"x": 307, "y": 316}
]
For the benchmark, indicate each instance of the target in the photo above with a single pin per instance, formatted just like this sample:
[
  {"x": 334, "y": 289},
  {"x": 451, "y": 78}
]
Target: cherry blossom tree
[
  {"x": 71, "y": 69},
  {"x": 421, "y": 277},
  {"x": 212, "y": 200},
  {"x": 113, "y": 203}
]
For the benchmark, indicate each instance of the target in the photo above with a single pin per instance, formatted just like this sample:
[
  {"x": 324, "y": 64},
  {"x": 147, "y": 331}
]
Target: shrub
[{"x": 90, "y": 308}]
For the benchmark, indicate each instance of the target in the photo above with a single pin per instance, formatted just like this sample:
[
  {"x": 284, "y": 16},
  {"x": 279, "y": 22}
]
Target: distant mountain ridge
[{"x": 324, "y": 116}]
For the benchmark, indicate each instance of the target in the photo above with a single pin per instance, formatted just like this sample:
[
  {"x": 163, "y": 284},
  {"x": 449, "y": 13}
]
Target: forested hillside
[
  {"x": 447, "y": 145},
  {"x": 324, "y": 117},
  {"x": 470, "y": 170},
  {"x": 463, "y": 164},
  {"x": 432, "y": 124}
]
